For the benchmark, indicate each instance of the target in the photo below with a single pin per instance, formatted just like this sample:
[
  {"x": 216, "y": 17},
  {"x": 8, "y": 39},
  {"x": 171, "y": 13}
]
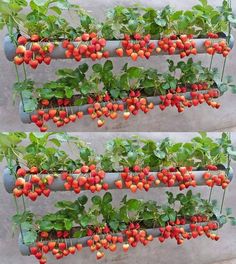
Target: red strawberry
[
  {"x": 21, "y": 172},
  {"x": 18, "y": 60},
  {"x": 62, "y": 246},
  {"x": 33, "y": 250},
  {"x": 72, "y": 250},
  {"x": 34, "y": 38},
  {"x": 72, "y": 118},
  {"x": 17, "y": 193},
  {"x": 120, "y": 52},
  {"x": 22, "y": 40},
  {"x": 34, "y": 170},
  {"x": 79, "y": 247},
  {"x": 119, "y": 184},
  {"x": 52, "y": 113},
  {"x": 33, "y": 196},
  {"x": 33, "y": 64},
  {"x": 46, "y": 192},
  {"x": 20, "y": 182},
  {"x": 43, "y": 129},
  {"x": 47, "y": 60}
]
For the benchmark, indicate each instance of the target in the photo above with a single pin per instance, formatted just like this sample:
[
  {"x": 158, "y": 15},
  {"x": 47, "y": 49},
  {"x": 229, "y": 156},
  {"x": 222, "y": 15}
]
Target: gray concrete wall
[
  {"x": 200, "y": 118},
  {"x": 196, "y": 251}
]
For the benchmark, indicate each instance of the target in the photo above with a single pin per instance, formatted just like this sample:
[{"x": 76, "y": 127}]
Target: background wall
[
  {"x": 200, "y": 118},
  {"x": 202, "y": 250}
]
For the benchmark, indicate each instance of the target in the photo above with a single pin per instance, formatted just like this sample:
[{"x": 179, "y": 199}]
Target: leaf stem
[
  {"x": 223, "y": 70},
  {"x": 211, "y": 62},
  {"x": 222, "y": 203},
  {"x": 210, "y": 194}
]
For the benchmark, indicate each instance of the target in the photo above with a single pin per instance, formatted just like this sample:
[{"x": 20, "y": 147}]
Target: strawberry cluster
[
  {"x": 135, "y": 103},
  {"x": 33, "y": 53},
  {"x": 86, "y": 46},
  {"x": 58, "y": 249},
  {"x": 136, "y": 179},
  {"x": 184, "y": 45},
  {"x": 102, "y": 106},
  {"x": 220, "y": 47},
  {"x": 33, "y": 186},
  {"x": 134, "y": 235},
  {"x": 60, "y": 117},
  {"x": 89, "y": 178},
  {"x": 212, "y": 179},
  {"x": 102, "y": 239},
  {"x": 182, "y": 177},
  {"x": 196, "y": 229},
  {"x": 175, "y": 98},
  {"x": 136, "y": 46}
]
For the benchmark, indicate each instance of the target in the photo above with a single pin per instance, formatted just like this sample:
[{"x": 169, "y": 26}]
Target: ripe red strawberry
[
  {"x": 119, "y": 184},
  {"x": 51, "y": 245},
  {"x": 18, "y": 60},
  {"x": 34, "y": 38},
  {"x": 35, "y": 47},
  {"x": 72, "y": 118},
  {"x": 85, "y": 37},
  {"x": 21, "y": 172},
  {"x": 43, "y": 129},
  {"x": 33, "y": 250},
  {"x": 72, "y": 250},
  {"x": 17, "y": 193},
  {"x": 47, "y": 60},
  {"x": 46, "y": 192},
  {"x": 120, "y": 52},
  {"x": 34, "y": 170},
  {"x": 52, "y": 113},
  {"x": 133, "y": 188},
  {"x": 134, "y": 56},
  {"x": 33, "y": 196},
  {"x": 43, "y": 260},
  {"x": 33, "y": 64},
  {"x": 62, "y": 246},
  {"x": 20, "y": 182},
  {"x": 20, "y": 50},
  {"x": 22, "y": 40},
  {"x": 34, "y": 118},
  {"x": 184, "y": 38}
]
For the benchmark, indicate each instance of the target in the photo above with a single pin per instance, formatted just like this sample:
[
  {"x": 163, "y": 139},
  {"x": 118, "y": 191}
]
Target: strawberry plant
[
  {"x": 101, "y": 90},
  {"x": 106, "y": 226},
  {"x": 36, "y": 161}
]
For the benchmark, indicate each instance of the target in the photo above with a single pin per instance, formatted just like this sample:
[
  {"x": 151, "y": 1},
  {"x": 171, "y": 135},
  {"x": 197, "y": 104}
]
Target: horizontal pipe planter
[
  {"x": 111, "y": 46},
  {"x": 26, "y": 116},
  {"x": 155, "y": 232},
  {"x": 110, "y": 178}
]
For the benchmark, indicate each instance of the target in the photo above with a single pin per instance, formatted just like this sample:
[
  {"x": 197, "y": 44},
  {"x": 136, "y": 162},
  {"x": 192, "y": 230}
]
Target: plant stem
[
  {"x": 223, "y": 71},
  {"x": 222, "y": 203},
  {"x": 23, "y": 200},
  {"x": 17, "y": 74},
  {"x": 24, "y": 71},
  {"x": 211, "y": 62},
  {"x": 17, "y": 210},
  {"x": 210, "y": 194}
]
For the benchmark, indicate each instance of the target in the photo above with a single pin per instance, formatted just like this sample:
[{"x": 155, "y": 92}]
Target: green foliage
[
  {"x": 46, "y": 19},
  {"x": 47, "y": 152},
  {"x": 78, "y": 84},
  {"x": 148, "y": 214},
  {"x": 44, "y": 151}
]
